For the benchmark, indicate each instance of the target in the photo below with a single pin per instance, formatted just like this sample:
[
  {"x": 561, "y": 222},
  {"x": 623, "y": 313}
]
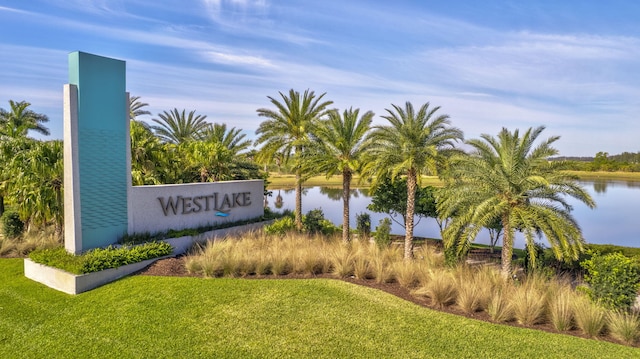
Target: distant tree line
[{"x": 624, "y": 162}]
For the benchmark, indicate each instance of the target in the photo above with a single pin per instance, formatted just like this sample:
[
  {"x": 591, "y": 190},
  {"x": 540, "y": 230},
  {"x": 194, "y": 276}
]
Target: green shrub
[
  {"x": 112, "y": 257},
  {"x": 12, "y": 226},
  {"x": 59, "y": 258},
  {"x": 613, "y": 280},
  {"x": 363, "y": 225},
  {"x": 314, "y": 223},
  {"x": 280, "y": 226},
  {"x": 383, "y": 233},
  {"x": 139, "y": 238},
  {"x": 100, "y": 258}
]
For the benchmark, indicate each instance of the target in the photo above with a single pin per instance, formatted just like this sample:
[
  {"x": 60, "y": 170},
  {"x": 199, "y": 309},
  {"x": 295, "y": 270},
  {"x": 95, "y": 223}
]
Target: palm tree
[
  {"x": 135, "y": 107},
  {"x": 232, "y": 139},
  {"x": 148, "y": 155},
  {"x": 177, "y": 127},
  {"x": 14, "y": 127},
  {"x": 339, "y": 148},
  {"x": 413, "y": 143},
  {"x": 508, "y": 178},
  {"x": 37, "y": 182},
  {"x": 287, "y": 130},
  {"x": 20, "y": 120},
  {"x": 207, "y": 161}
]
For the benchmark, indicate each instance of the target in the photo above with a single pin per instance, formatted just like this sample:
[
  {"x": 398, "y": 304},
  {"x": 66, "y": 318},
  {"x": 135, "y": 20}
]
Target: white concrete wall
[
  {"x": 72, "y": 218},
  {"x": 160, "y": 208}
]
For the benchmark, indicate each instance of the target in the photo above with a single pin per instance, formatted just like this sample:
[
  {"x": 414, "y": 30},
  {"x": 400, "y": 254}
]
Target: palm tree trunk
[
  {"x": 298, "y": 214},
  {"x": 507, "y": 248},
  {"x": 411, "y": 198},
  {"x": 346, "y": 193}
]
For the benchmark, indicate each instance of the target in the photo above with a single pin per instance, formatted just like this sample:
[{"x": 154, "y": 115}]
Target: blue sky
[{"x": 572, "y": 66}]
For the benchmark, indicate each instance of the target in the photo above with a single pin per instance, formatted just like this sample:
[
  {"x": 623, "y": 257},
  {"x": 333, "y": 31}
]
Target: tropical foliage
[
  {"x": 506, "y": 184},
  {"x": 339, "y": 147},
  {"x": 509, "y": 177},
  {"x": 37, "y": 177},
  {"x": 413, "y": 143},
  {"x": 31, "y": 171},
  {"x": 390, "y": 197},
  {"x": 177, "y": 127},
  {"x": 613, "y": 280},
  {"x": 287, "y": 130},
  {"x": 136, "y": 107},
  {"x": 181, "y": 148},
  {"x": 19, "y": 120}
]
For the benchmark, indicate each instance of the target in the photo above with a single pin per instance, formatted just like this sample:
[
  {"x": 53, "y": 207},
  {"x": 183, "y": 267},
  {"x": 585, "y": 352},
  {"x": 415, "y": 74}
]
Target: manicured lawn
[{"x": 152, "y": 317}]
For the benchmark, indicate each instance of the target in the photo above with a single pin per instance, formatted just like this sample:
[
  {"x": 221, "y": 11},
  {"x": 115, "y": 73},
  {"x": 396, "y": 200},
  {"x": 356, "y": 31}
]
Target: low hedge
[
  {"x": 137, "y": 238},
  {"x": 100, "y": 258}
]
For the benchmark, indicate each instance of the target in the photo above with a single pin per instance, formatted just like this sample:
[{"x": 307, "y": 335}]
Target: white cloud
[
  {"x": 235, "y": 59},
  {"x": 220, "y": 9}
]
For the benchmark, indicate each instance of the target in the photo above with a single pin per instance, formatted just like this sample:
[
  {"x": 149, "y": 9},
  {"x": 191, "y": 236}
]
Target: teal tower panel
[{"x": 102, "y": 135}]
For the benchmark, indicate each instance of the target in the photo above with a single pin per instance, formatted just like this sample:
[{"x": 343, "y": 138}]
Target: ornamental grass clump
[
  {"x": 441, "y": 288},
  {"x": 311, "y": 259},
  {"x": 475, "y": 287},
  {"x": 429, "y": 256},
  {"x": 382, "y": 263},
  {"x": 561, "y": 308},
  {"x": 590, "y": 318},
  {"x": 405, "y": 274},
  {"x": 499, "y": 307},
  {"x": 529, "y": 301},
  {"x": 342, "y": 265},
  {"x": 624, "y": 326}
]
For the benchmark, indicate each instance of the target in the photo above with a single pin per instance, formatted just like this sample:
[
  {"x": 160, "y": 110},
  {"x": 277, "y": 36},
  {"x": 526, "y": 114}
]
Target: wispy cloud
[
  {"x": 219, "y": 9},
  {"x": 235, "y": 59}
]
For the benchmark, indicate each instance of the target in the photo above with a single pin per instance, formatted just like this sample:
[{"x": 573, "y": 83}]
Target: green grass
[
  {"x": 150, "y": 317},
  {"x": 589, "y": 175},
  {"x": 280, "y": 181}
]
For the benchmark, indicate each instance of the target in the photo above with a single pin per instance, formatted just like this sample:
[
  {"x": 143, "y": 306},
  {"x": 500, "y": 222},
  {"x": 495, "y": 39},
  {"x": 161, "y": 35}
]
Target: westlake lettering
[{"x": 214, "y": 202}]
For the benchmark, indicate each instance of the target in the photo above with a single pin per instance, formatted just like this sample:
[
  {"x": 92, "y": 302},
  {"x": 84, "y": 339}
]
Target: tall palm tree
[
  {"x": 231, "y": 139},
  {"x": 414, "y": 143},
  {"x": 508, "y": 178},
  {"x": 339, "y": 148},
  {"x": 19, "y": 120},
  {"x": 287, "y": 130},
  {"x": 136, "y": 107},
  {"x": 177, "y": 127}
]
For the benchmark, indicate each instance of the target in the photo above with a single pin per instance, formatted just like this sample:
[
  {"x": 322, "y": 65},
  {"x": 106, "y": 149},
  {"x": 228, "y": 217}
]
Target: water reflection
[
  {"x": 600, "y": 186},
  {"x": 613, "y": 221},
  {"x": 335, "y": 194},
  {"x": 279, "y": 201}
]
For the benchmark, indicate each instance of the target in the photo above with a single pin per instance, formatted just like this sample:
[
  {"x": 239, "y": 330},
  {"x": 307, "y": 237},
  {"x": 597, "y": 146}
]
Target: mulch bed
[{"x": 175, "y": 267}]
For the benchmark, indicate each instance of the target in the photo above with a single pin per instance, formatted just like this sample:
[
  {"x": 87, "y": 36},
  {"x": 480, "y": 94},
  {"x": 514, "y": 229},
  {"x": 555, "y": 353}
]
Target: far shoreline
[{"x": 287, "y": 181}]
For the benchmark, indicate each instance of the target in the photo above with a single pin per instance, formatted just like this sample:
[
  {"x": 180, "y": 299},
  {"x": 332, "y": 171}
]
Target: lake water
[{"x": 613, "y": 221}]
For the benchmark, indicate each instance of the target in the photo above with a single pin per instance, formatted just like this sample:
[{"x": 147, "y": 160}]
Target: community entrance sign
[{"x": 100, "y": 203}]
